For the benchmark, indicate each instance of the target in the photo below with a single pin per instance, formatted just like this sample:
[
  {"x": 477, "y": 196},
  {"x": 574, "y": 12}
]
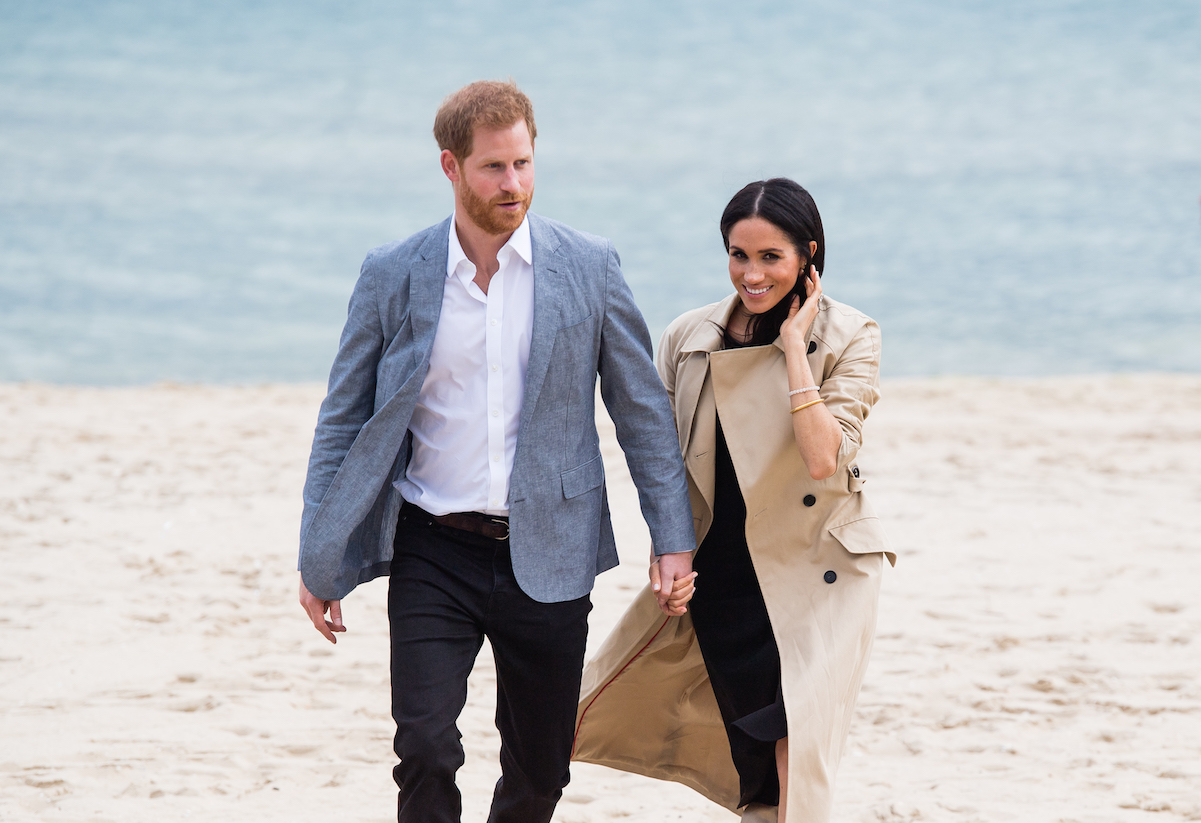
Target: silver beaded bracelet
[{"x": 802, "y": 391}]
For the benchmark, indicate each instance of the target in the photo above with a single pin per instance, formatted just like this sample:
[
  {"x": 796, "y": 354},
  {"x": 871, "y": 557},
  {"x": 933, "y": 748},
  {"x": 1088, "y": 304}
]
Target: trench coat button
[
  {"x": 812, "y": 347},
  {"x": 809, "y": 500},
  {"x": 829, "y": 577},
  {"x": 855, "y": 470}
]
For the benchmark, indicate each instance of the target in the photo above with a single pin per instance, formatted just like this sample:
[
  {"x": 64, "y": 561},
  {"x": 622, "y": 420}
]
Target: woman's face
[{"x": 764, "y": 264}]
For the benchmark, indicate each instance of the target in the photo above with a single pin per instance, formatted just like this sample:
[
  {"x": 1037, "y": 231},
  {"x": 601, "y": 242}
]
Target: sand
[{"x": 1038, "y": 658}]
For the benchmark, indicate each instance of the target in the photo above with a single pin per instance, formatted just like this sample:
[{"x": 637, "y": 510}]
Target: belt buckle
[{"x": 504, "y": 523}]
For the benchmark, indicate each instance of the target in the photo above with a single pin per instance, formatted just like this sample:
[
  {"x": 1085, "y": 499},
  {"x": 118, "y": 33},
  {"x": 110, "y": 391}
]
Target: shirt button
[
  {"x": 496, "y": 412},
  {"x": 495, "y": 367},
  {"x": 495, "y": 321},
  {"x": 496, "y": 458}
]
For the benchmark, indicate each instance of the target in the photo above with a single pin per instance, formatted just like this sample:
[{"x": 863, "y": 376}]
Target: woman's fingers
[
  {"x": 681, "y": 593},
  {"x": 801, "y": 314},
  {"x": 683, "y": 588},
  {"x": 681, "y": 598},
  {"x": 683, "y": 582}
]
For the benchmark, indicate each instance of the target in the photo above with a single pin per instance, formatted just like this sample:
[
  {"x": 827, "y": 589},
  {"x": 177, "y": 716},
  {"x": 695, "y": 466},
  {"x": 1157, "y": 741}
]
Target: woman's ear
[{"x": 812, "y": 248}]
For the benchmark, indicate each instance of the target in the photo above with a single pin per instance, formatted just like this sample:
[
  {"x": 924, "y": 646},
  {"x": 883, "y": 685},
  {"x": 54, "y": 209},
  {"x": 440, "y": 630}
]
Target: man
[{"x": 457, "y": 451}]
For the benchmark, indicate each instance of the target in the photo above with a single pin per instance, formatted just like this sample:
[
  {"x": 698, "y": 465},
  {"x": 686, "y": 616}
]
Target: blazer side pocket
[{"x": 583, "y": 478}]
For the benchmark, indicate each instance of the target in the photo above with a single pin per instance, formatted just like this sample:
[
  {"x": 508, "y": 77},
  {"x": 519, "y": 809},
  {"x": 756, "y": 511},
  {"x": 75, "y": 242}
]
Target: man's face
[{"x": 495, "y": 183}]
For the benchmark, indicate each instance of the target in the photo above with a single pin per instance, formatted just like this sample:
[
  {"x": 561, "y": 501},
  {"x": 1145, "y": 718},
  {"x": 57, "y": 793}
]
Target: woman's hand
[
  {"x": 801, "y": 316},
  {"x": 681, "y": 591}
]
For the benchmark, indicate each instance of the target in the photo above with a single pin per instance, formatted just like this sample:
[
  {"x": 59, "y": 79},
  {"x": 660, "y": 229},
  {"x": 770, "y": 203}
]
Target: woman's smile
[{"x": 764, "y": 263}]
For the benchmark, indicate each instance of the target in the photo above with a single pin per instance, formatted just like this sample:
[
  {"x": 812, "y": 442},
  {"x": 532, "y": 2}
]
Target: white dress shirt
[{"x": 465, "y": 423}]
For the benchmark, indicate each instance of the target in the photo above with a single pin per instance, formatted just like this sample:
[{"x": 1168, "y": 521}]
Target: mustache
[{"x": 509, "y": 197}]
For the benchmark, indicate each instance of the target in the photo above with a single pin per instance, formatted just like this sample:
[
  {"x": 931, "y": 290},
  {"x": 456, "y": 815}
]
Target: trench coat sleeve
[
  {"x": 350, "y": 400},
  {"x": 852, "y": 387}
]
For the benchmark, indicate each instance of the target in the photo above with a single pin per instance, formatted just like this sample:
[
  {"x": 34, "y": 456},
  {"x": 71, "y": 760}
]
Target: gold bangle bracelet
[{"x": 806, "y": 405}]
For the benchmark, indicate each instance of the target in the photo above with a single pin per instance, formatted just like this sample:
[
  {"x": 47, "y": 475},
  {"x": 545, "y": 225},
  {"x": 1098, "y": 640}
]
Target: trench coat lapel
[
  {"x": 548, "y": 303},
  {"x": 703, "y": 341},
  {"x": 695, "y": 406}
]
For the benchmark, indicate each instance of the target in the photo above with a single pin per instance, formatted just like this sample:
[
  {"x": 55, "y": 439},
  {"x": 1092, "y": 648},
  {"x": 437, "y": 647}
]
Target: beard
[{"x": 491, "y": 219}]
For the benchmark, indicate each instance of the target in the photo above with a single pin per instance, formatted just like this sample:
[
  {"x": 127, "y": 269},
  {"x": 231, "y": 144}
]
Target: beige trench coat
[{"x": 646, "y": 704}]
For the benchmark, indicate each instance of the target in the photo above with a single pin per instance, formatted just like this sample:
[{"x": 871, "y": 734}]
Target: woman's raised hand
[{"x": 800, "y": 316}]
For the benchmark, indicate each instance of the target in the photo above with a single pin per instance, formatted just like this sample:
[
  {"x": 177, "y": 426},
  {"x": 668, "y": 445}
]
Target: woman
[{"x": 748, "y": 697}]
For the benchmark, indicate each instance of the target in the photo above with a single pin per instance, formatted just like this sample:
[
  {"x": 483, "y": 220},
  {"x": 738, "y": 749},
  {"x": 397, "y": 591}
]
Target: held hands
[
  {"x": 316, "y": 608},
  {"x": 672, "y": 581},
  {"x": 801, "y": 316}
]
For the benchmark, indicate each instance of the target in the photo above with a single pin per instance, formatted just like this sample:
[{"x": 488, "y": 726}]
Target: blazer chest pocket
[
  {"x": 576, "y": 336},
  {"x": 584, "y": 478},
  {"x": 584, "y": 324}
]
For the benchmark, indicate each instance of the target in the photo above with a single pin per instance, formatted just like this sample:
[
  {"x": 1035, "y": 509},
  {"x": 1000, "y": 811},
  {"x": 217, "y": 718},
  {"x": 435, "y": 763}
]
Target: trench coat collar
[
  {"x": 694, "y": 394},
  {"x": 707, "y": 336}
]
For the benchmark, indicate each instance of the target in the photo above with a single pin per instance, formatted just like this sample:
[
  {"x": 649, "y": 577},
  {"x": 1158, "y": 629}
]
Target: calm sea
[{"x": 187, "y": 188}]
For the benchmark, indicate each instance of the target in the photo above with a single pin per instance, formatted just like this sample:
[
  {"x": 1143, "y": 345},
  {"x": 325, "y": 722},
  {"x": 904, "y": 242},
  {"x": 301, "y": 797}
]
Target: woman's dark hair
[{"x": 788, "y": 207}]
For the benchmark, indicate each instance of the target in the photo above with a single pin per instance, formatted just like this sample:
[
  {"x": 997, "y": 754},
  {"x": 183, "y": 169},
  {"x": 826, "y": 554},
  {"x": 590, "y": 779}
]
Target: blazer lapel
[
  {"x": 548, "y": 302},
  {"x": 427, "y": 282}
]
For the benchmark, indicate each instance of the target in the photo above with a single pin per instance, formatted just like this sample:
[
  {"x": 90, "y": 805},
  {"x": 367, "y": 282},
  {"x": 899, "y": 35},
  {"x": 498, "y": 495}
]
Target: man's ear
[{"x": 450, "y": 166}]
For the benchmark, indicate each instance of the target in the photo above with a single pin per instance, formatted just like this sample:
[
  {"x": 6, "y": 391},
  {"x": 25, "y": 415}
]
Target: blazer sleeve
[
  {"x": 641, "y": 412},
  {"x": 350, "y": 400},
  {"x": 853, "y": 386}
]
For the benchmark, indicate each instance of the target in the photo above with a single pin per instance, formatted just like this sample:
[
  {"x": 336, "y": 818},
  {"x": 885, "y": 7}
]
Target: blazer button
[
  {"x": 812, "y": 347},
  {"x": 829, "y": 577},
  {"x": 809, "y": 500}
]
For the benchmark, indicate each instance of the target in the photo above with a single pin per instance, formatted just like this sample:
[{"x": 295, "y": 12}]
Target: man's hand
[
  {"x": 671, "y": 580},
  {"x": 316, "y": 608}
]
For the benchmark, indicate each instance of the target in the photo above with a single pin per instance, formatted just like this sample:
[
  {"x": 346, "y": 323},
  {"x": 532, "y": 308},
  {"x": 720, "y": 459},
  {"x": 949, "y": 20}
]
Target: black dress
[{"x": 736, "y": 640}]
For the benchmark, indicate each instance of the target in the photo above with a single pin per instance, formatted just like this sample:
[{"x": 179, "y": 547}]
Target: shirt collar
[{"x": 518, "y": 242}]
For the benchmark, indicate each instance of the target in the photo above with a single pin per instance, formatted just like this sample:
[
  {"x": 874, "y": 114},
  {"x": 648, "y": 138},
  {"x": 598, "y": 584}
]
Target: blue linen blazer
[{"x": 585, "y": 324}]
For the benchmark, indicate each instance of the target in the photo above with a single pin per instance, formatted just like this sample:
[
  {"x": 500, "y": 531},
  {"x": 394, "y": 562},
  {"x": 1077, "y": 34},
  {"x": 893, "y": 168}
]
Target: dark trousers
[{"x": 448, "y": 590}]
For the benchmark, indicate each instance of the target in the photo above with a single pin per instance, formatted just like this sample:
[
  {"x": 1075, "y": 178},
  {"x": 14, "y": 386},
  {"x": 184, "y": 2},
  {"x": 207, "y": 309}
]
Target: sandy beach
[{"x": 1038, "y": 655}]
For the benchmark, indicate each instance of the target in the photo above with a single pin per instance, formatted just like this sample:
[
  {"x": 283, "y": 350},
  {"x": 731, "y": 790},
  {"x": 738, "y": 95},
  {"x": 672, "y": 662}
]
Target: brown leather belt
[{"x": 486, "y": 525}]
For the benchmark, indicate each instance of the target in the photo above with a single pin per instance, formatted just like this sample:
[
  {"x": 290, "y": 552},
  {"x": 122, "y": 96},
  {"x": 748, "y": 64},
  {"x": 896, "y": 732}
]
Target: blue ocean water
[{"x": 187, "y": 189}]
